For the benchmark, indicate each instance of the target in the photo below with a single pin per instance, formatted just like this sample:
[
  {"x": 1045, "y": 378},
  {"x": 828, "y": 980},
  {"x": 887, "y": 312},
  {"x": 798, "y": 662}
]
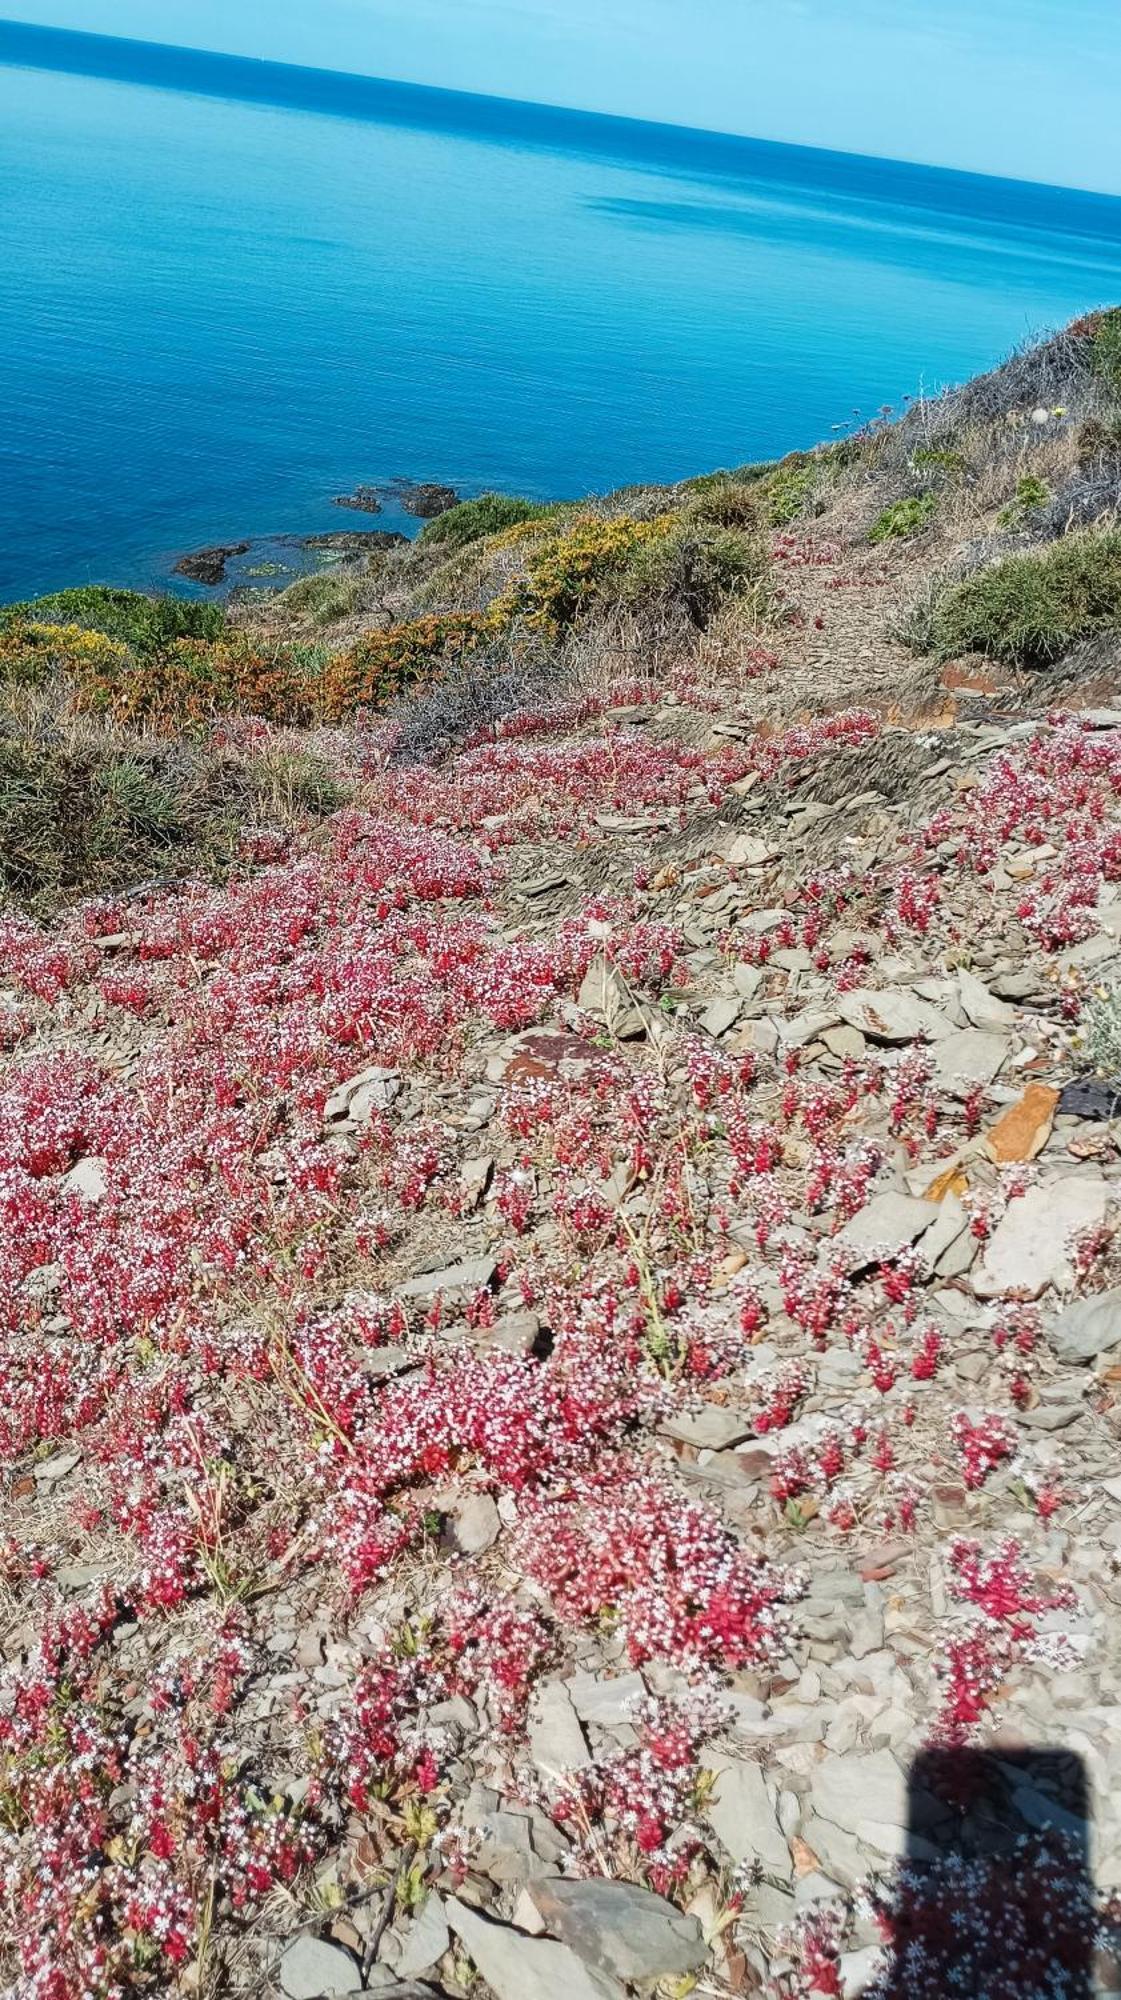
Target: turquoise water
[{"x": 231, "y": 290}]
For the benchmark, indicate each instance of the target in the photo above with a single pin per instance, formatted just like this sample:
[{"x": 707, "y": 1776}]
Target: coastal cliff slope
[{"x": 560, "y": 1320}]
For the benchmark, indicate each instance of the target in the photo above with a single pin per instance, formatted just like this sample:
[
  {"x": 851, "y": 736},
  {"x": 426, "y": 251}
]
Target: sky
[{"x": 1028, "y": 88}]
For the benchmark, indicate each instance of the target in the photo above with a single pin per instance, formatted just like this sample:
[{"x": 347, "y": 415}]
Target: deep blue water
[{"x": 229, "y": 290}]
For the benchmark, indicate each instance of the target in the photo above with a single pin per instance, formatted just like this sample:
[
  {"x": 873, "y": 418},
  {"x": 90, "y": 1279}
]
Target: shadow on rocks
[{"x": 994, "y": 1899}]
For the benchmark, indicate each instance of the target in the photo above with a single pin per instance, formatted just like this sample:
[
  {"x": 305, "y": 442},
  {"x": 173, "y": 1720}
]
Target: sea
[{"x": 230, "y": 291}]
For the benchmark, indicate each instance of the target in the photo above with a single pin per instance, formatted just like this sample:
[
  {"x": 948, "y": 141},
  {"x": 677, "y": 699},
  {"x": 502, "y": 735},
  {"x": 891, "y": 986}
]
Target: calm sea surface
[{"x": 229, "y": 291}]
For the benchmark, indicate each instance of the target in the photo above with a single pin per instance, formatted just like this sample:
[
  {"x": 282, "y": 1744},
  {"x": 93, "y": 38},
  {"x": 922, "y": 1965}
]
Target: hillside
[{"x": 561, "y": 1273}]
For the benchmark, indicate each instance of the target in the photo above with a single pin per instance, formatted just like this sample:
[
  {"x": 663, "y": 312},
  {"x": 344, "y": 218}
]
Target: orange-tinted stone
[
  {"x": 806, "y": 1861},
  {"x": 954, "y": 1181},
  {"x": 1025, "y": 1127},
  {"x": 962, "y": 678}
]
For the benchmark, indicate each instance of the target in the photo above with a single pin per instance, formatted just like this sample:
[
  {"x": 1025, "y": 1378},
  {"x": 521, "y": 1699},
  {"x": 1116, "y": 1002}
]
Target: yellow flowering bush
[
  {"x": 381, "y": 663},
  {"x": 566, "y": 570},
  {"x": 31, "y": 650}
]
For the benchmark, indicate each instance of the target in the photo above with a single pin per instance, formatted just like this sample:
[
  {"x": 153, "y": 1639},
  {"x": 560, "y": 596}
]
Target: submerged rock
[
  {"x": 426, "y": 498},
  {"x": 209, "y": 565},
  {"x": 363, "y": 500}
]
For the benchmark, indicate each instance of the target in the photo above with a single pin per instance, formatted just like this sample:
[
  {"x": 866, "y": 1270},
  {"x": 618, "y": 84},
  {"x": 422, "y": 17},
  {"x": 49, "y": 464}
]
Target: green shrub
[
  {"x": 472, "y": 520},
  {"x": 903, "y": 518},
  {"x": 727, "y": 500},
  {"x": 740, "y": 475},
  {"x": 787, "y": 490},
  {"x": 136, "y": 799},
  {"x": 295, "y": 782},
  {"x": 1106, "y": 361},
  {"x": 939, "y": 460},
  {"x": 72, "y": 818},
  {"x": 323, "y": 598},
  {"x": 1030, "y": 492},
  {"x": 1099, "y": 441},
  {"x": 781, "y": 487},
  {"x": 694, "y": 567},
  {"x": 1030, "y": 609},
  {"x": 147, "y": 624}
]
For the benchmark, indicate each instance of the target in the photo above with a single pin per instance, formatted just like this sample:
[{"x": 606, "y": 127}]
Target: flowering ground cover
[
  {"x": 560, "y": 1341},
  {"x": 491, "y": 1387}
]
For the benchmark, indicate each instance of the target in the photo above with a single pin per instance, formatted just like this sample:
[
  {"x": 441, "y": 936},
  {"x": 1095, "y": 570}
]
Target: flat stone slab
[
  {"x": 470, "y": 1276},
  {"x": 982, "y": 1008},
  {"x": 607, "y": 1701},
  {"x": 556, "y": 1741},
  {"x": 710, "y": 1429},
  {"x": 892, "y": 1014},
  {"x": 372, "y": 1089},
  {"x": 721, "y": 1014},
  {"x": 865, "y": 1796},
  {"x": 313, "y": 1969},
  {"x": 742, "y": 1816},
  {"x": 426, "y": 1940},
  {"x": 621, "y": 1929},
  {"x": 1030, "y": 1248},
  {"x": 887, "y": 1225},
  {"x": 967, "y": 1058},
  {"x": 1088, "y": 1328},
  {"x": 518, "y": 1967}
]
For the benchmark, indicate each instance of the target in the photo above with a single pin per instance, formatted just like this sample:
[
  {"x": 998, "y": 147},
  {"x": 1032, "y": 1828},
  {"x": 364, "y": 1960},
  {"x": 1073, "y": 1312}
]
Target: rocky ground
[{"x": 560, "y": 1357}]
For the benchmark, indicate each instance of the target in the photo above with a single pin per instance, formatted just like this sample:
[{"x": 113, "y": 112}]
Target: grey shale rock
[
  {"x": 621, "y": 1929},
  {"x": 372, "y": 1089},
  {"x": 49, "y": 1470},
  {"x": 607, "y": 1701},
  {"x": 712, "y": 1428},
  {"x": 1088, "y": 1328},
  {"x": 981, "y": 1007},
  {"x": 884, "y": 1227},
  {"x": 556, "y": 1741},
  {"x": 721, "y": 1014},
  {"x": 742, "y": 1816},
  {"x": 88, "y": 1179},
  {"x": 467, "y": 1277},
  {"x": 475, "y": 1524},
  {"x": 859, "y": 1969},
  {"x": 747, "y": 979},
  {"x": 527, "y": 1968},
  {"x": 605, "y": 994},
  {"x": 747, "y": 850},
  {"x": 944, "y": 1231},
  {"x": 313, "y": 1969},
  {"x": 426, "y": 1940},
  {"x": 865, "y": 1796},
  {"x": 1030, "y": 1247},
  {"x": 968, "y": 1057},
  {"x": 891, "y": 1014},
  {"x": 514, "y": 1333}
]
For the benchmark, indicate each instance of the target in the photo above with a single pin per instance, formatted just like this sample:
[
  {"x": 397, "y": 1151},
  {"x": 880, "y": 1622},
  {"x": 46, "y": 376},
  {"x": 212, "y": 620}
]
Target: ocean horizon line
[{"x": 473, "y": 114}]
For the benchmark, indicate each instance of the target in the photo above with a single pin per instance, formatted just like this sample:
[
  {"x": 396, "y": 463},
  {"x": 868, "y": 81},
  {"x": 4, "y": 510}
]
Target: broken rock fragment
[
  {"x": 1032, "y": 1246},
  {"x": 620, "y": 1928},
  {"x": 313, "y": 1969},
  {"x": 518, "y": 1967},
  {"x": 1089, "y": 1327},
  {"x": 891, "y": 1014},
  {"x": 887, "y": 1225},
  {"x": 1024, "y": 1129},
  {"x": 742, "y": 1816}
]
